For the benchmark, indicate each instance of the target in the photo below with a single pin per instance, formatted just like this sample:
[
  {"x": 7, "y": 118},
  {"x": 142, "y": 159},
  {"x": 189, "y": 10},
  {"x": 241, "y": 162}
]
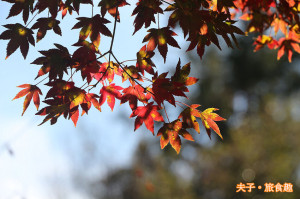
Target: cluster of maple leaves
[{"x": 202, "y": 21}]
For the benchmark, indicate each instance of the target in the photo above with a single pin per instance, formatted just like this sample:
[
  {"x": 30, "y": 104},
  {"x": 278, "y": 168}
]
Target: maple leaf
[
  {"x": 52, "y": 5},
  {"x": 76, "y": 96},
  {"x": 91, "y": 99},
  {"x": 215, "y": 23},
  {"x": 161, "y": 90},
  {"x": 146, "y": 114},
  {"x": 208, "y": 118},
  {"x": 31, "y": 92},
  {"x": 110, "y": 6},
  {"x": 161, "y": 37},
  {"x": 279, "y": 24},
  {"x": 25, "y": 5},
  {"x": 189, "y": 115},
  {"x": 45, "y": 24},
  {"x": 54, "y": 111},
  {"x": 66, "y": 100},
  {"x": 85, "y": 60},
  {"x": 258, "y": 22},
  {"x": 186, "y": 13},
  {"x": 181, "y": 75},
  {"x": 170, "y": 133},
  {"x": 144, "y": 62},
  {"x": 65, "y": 7},
  {"x": 287, "y": 45},
  {"x": 88, "y": 45},
  {"x": 131, "y": 73},
  {"x": 19, "y": 36},
  {"x": 263, "y": 40},
  {"x": 225, "y": 4},
  {"x": 92, "y": 27},
  {"x": 107, "y": 71},
  {"x": 59, "y": 87},
  {"x": 55, "y": 62},
  {"x": 164, "y": 89},
  {"x": 76, "y": 3},
  {"x": 133, "y": 94},
  {"x": 200, "y": 41},
  {"x": 145, "y": 10},
  {"x": 110, "y": 92}
]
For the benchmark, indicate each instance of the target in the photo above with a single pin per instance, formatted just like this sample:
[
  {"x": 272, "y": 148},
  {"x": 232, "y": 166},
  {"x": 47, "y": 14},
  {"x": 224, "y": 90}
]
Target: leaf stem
[
  {"x": 129, "y": 74},
  {"x": 128, "y": 60},
  {"x": 167, "y": 2},
  {"x": 166, "y": 112},
  {"x": 31, "y": 19},
  {"x": 41, "y": 81},
  {"x": 113, "y": 36},
  {"x": 183, "y": 104}
]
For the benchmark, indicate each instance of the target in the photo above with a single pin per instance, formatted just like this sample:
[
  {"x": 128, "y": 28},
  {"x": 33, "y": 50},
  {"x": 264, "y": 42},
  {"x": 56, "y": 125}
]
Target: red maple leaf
[
  {"x": 31, "y": 92},
  {"x": 107, "y": 71},
  {"x": 165, "y": 89},
  {"x": 146, "y": 114},
  {"x": 91, "y": 99},
  {"x": 110, "y": 92},
  {"x": 133, "y": 94},
  {"x": 161, "y": 37}
]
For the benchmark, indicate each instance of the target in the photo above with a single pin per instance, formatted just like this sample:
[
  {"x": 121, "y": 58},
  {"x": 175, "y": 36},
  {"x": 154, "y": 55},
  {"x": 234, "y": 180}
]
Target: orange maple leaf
[
  {"x": 31, "y": 91},
  {"x": 208, "y": 119},
  {"x": 170, "y": 133}
]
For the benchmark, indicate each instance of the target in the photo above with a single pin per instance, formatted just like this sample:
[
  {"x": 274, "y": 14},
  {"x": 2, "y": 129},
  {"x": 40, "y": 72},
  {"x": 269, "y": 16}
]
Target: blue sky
[{"x": 41, "y": 152}]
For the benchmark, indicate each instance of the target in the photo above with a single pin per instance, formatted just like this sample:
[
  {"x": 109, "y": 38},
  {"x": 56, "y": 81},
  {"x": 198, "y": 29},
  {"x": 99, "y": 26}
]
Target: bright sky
[{"x": 39, "y": 152}]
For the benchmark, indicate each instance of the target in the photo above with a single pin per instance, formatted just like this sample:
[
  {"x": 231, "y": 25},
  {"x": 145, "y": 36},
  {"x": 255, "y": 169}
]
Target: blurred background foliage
[{"x": 260, "y": 98}]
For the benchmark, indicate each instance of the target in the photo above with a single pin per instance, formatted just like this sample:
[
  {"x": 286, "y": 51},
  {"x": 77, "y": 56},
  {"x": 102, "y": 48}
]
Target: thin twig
[
  {"x": 166, "y": 112},
  {"x": 41, "y": 81},
  {"x": 179, "y": 105},
  {"x": 113, "y": 36},
  {"x": 183, "y": 104},
  {"x": 92, "y": 9},
  {"x": 167, "y": 2},
  {"x": 32, "y": 19},
  {"x": 130, "y": 75},
  {"x": 110, "y": 51},
  {"x": 128, "y": 60},
  {"x": 158, "y": 20}
]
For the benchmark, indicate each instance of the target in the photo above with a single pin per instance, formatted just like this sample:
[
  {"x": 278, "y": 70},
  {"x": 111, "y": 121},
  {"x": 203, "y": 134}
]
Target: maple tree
[{"x": 202, "y": 22}]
